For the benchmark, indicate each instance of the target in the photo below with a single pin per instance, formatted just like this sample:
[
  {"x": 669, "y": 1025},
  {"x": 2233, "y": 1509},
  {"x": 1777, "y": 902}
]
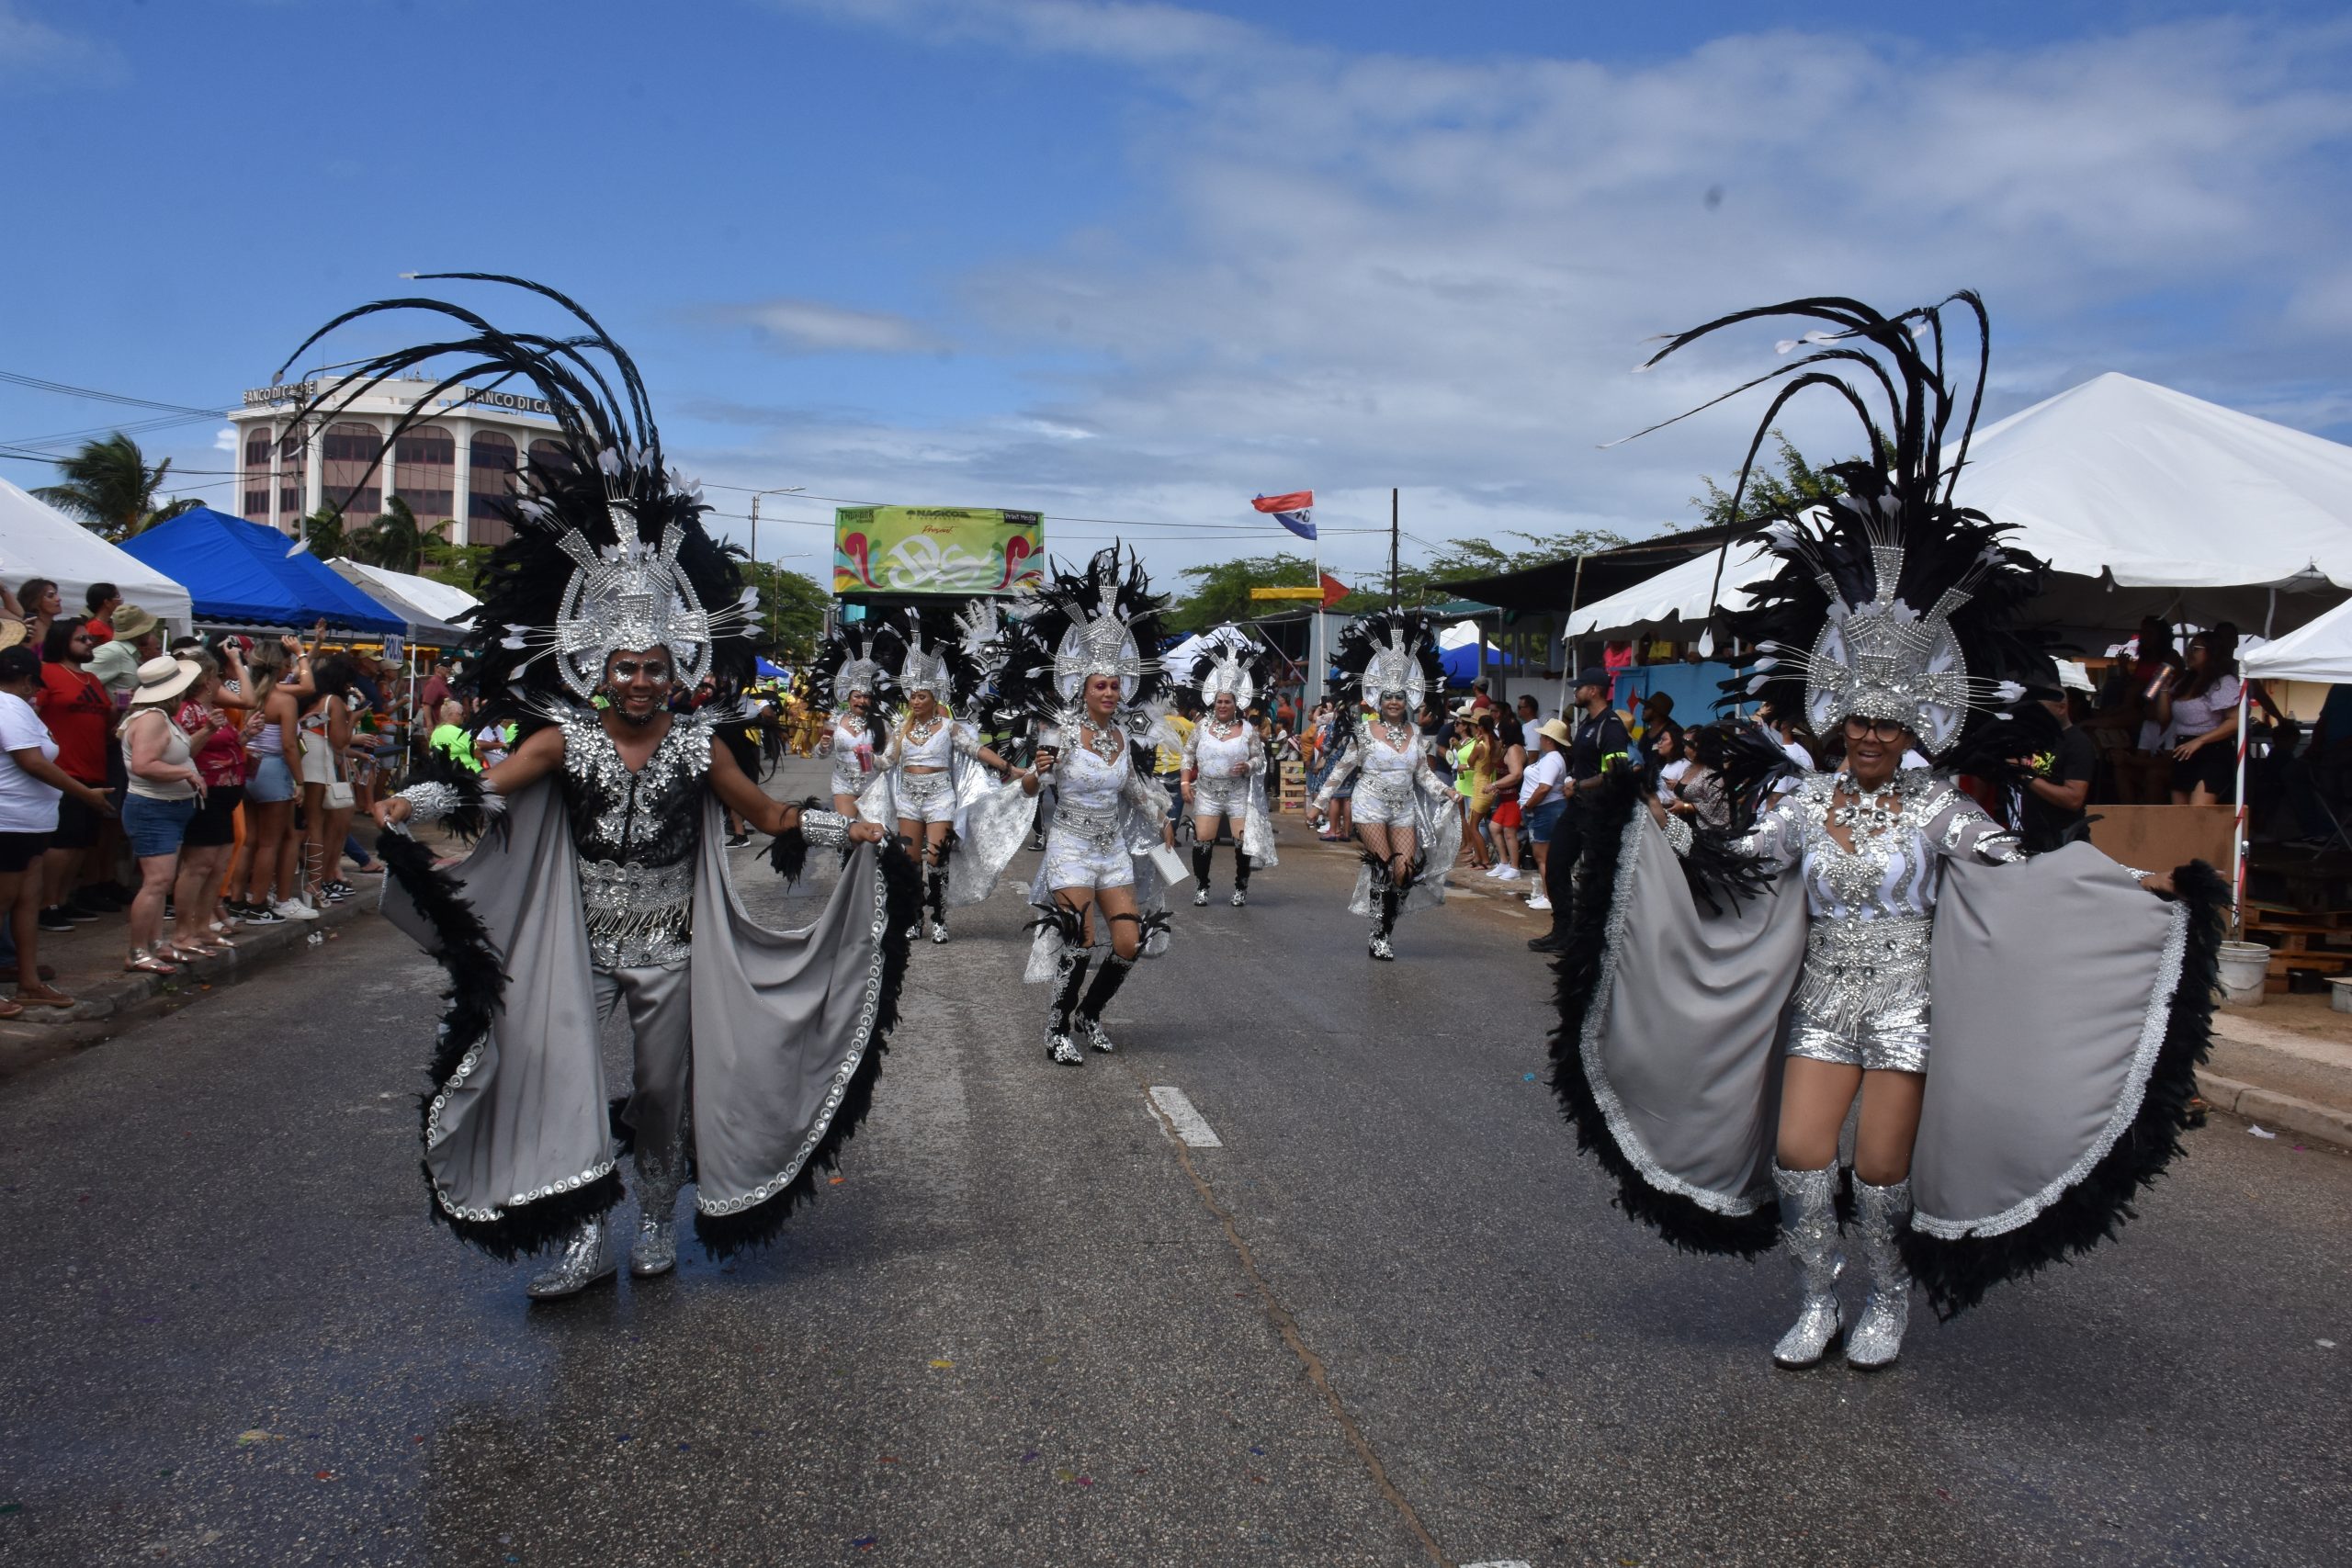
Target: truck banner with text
[{"x": 936, "y": 549}]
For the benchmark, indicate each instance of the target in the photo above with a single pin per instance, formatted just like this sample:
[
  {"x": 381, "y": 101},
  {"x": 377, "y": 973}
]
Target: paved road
[{"x": 1390, "y": 1319}]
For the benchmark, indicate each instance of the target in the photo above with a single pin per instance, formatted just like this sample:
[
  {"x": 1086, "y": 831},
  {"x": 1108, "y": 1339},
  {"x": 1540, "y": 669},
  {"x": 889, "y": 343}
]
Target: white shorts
[
  {"x": 1227, "y": 797},
  {"x": 1075, "y": 860},
  {"x": 1385, "y": 798},
  {"x": 926, "y": 797}
]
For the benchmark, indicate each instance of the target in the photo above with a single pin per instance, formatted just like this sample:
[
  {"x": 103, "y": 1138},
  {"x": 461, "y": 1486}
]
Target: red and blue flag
[{"x": 1294, "y": 512}]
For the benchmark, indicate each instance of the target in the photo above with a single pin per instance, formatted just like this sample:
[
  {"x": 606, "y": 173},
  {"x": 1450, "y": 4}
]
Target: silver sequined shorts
[
  {"x": 1894, "y": 1043},
  {"x": 926, "y": 797}
]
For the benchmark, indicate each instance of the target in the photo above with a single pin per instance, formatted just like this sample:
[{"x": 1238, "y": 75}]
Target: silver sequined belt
[
  {"x": 637, "y": 914},
  {"x": 1857, "y": 972},
  {"x": 925, "y": 787},
  {"x": 1397, "y": 788},
  {"x": 1096, "y": 829}
]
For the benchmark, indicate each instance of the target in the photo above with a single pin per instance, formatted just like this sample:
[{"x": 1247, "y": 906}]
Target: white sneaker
[
  {"x": 294, "y": 910},
  {"x": 1537, "y": 901},
  {"x": 1508, "y": 874}
]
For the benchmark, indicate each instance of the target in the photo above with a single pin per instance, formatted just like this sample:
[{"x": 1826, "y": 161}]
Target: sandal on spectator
[
  {"x": 148, "y": 964},
  {"x": 42, "y": 998}
]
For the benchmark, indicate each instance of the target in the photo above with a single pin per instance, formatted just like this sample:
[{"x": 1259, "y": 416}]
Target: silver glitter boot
[
  {"x": 656, "y": 1249},
  {"x": 1881, "y": 1214},
  {"x": 587, "y": 1258},
  {"x": 1809, "y": 1230}
]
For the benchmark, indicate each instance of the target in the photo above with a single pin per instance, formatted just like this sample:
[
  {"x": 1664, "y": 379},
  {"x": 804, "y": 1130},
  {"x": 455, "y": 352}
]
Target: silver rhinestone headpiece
[
  {"x": 1394, "y": 668},
  {"x": 629, "y": 596},
  {"x": 924, "y": 669},
  {"x": 1224, "y": 670},
  {"x": 1099, "y": 643},
  {"x": 1883, "y": 659}
]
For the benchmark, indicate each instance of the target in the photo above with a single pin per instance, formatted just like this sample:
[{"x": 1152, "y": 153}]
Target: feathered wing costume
[
  {"x": 1383, "y": 655},
  {"x": 1104, "y": 816},
  {"x": 597, "y": 882},
  {"x": 2069, "y": 1007},
  {"x": 1234, "y": 667},
  {"x": 862, "y": 657}
]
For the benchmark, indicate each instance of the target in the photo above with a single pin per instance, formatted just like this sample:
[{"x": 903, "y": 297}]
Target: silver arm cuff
[
  {"x": 1679, "y": 836},
  {"x": 428, "y": 802},
  {"x": 828, "y": 828}
]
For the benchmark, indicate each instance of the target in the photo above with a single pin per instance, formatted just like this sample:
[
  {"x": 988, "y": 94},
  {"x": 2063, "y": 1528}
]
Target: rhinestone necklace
[
  {"x": 1873, "y": 813},
  {"x": 1105, "y": 743},
  {"x": 1397, "y": 735}
]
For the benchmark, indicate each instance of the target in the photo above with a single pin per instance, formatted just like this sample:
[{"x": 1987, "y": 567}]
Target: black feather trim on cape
[
  {"x": 1958, "y": 1272},
  {"x": 477, "y": 993},
  {"x": 1578, "y": 974},
  {"x": 724, "y": 1235}
]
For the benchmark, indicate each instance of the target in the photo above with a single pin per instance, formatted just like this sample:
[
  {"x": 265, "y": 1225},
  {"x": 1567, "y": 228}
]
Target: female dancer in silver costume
[
  {"x": 1078, "y": 667},
  {"x": 931, "y": 755},
  {"x": 857, "y": 667},
  {"x": 1405, "y": 815},
  {"x": 1225, "y": 771},
  {"x": 1710, "y": 974}
]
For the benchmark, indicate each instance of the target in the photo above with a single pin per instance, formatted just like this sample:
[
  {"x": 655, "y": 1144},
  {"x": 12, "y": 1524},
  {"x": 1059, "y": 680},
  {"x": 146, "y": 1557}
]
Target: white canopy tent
[
  {"x": 2116, "y": 481},
  {"x": 38, "y": 540},
  {"x": 430, "y": 608},
  {"x": 2318, "y": 650}
]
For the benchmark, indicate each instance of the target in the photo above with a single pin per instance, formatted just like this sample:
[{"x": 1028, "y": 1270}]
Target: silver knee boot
[
  {"x": 656, "y": 1249},
  {"x": 1809, "y": 1232},
  {"x": 1881, "y": 1216},
  {"x": 587, "y": 1258}
]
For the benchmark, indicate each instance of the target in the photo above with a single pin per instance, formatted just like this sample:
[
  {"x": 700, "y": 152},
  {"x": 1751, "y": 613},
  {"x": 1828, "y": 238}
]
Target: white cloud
[
  {"x": 811, "y": 326},
  {"x": 34, "y": 54},
  {"x": 225, "y": 438},
  {"x": 1372, "y": 270}
]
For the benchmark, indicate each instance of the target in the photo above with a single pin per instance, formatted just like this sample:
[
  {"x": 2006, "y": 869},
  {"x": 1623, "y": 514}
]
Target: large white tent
[
  {"x": 38, "y": 540},
  {"x": 2114, "y": 482},
  {"x": 429, "y": 607},
  {"x": 2317, "y": 651}
]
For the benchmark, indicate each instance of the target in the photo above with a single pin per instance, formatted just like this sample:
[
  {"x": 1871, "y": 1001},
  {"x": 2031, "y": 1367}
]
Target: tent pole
[
  {"x": 2237, "y": 846},
  {"x": 1567, "y": 636}
]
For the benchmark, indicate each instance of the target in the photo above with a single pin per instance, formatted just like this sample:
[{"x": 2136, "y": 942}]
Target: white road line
[
  {"x": 1501, "y": 1563},
  {"x": 1189, "y": 1125}
]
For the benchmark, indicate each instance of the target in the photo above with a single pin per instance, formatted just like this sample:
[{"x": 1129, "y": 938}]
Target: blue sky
[{"x": 1131, "y": 261}]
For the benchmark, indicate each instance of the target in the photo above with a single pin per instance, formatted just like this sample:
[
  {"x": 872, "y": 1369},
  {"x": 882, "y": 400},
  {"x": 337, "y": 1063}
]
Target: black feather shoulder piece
[
  {"x": 608, "y": 543},
  {"x": 1891, "y": 601}
]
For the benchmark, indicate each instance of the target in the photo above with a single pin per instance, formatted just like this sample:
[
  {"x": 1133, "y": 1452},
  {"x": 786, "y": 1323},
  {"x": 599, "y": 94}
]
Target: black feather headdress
[
  {"x": 1892, "y": 602},
  {"x": 1387, "y": 651},
  {"x": 1234, "y": 665},
  {"x": 1104, "y": 620},
  {"x": 608, "y": 550}
]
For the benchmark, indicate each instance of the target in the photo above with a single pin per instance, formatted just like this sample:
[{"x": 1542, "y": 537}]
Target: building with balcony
[{"x": 459, "y": 465}]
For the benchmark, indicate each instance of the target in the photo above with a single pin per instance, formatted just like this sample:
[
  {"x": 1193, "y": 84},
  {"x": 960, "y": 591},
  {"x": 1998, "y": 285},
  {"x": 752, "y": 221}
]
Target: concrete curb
[
  {"x": 117, "y": 1001},
  {"x": 2276, "y": 1113}
]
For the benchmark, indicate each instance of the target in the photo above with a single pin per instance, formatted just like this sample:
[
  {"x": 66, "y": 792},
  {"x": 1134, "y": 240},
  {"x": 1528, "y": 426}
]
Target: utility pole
[{"x": 1393, "y": 596}]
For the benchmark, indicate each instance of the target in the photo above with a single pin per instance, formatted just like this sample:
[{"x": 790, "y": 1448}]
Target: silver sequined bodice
[
  {"x": 639, "y": 835},
  {"x": 1084, "y": 783},
  {"x": 1215, "y": 757}
]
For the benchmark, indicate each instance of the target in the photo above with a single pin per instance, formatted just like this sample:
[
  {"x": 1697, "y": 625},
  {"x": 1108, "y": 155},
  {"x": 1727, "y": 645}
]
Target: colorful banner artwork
[{"x": 936, "y": 549}]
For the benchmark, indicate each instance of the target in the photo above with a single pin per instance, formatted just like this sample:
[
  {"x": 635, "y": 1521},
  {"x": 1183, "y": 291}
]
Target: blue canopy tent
[
  {"x": 238, "y": 573},
  {"x": 1462, "y": 663}
]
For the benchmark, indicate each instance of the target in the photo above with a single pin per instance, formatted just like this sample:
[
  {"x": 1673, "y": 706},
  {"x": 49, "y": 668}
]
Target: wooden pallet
[{"x": 1293, "y": 796}]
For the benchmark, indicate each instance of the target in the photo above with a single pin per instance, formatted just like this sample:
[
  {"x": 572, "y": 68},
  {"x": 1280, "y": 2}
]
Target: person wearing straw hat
[
  {"x": 164, "y": 789},
  {"x": 138, "y": 636}
]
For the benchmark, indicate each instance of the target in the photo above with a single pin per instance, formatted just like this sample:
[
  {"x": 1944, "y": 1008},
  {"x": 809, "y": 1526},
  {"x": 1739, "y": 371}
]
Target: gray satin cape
[
  {"x": 2070, "y": 1009},
  {"x": 788, "y": 1031}
]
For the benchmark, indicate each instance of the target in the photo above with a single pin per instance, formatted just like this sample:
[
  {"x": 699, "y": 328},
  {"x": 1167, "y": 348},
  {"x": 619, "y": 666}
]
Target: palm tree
[
  {"x": 395, "y": 541},
  {"x": 322, "y": 533},
  {"x": 109, "y": 488}
]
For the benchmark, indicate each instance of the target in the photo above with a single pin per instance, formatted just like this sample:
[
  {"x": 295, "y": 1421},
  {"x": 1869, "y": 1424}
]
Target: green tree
[
  {"x": 1219, "y": 591},
  {"x": 323, "y": 530},
  {"x": 791, "y": 613},
  {"x": 1771, "y": 494},
  {"x": 109, "y": 488},
  {"x": 396, "y": 540},
  {"x": 458, "y": 564},
  {"x": 1425, "y": 582}
]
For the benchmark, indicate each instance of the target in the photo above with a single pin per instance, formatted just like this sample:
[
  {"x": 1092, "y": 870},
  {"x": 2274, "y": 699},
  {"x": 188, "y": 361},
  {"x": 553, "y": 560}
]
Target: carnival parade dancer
[
  {"x": 857, "y": 670},
  {"x": 1405, "y": 815},
  {"x": 2022, "y": 1033},
  {"x": 600, "y": 879},
  {"x": 1080, "y": 667},
  {"x": 934, "y": 760},
  {"x": 1225, "y": 767}
]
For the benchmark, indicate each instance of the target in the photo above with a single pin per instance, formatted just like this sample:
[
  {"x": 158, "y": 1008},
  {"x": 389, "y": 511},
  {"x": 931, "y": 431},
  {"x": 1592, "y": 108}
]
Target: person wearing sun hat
[
  {"x": 164, "y": 789},
  {"x": 138, "y": 636}
]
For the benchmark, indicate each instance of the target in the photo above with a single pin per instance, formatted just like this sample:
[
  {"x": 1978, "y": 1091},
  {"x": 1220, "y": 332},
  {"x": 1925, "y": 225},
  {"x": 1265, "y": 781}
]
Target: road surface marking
[
  {"x": 1501, "y": 1563},
  {"x": 1188, "y": 1123}
]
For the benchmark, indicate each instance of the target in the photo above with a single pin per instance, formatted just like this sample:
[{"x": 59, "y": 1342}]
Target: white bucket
[
  {"x": 2339, "y": 993},
  {"x": 2244, "y": 966}
]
